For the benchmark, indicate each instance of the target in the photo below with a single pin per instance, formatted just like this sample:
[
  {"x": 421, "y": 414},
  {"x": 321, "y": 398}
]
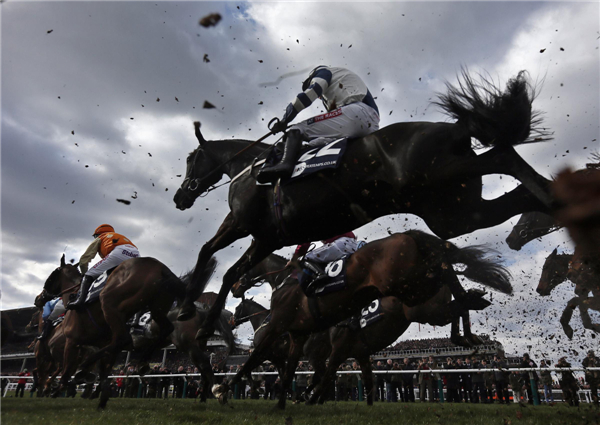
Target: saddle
[{"x": 312, "y": 159}]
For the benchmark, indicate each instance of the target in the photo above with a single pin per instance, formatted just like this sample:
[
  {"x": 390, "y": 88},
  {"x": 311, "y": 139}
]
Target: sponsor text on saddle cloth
[{"x": 319, "y": 158}]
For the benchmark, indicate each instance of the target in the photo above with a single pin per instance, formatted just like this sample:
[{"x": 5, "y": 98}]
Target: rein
[
  {"x": 245, "y": 319},
  {"x": 197, "y": 180},
  {"x": 524, "y": 232}
]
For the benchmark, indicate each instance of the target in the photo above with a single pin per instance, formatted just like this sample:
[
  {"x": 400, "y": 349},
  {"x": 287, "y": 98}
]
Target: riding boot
[
  {"x": 313, "y": 275},
  {"x": 293, "y": 143},
  {"x": 45, "y": 330},
  {"x": 85, "y": 288}
]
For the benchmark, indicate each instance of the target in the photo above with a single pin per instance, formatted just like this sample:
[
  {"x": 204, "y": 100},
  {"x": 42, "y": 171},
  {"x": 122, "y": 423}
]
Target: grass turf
[{"x": 31, "y": 411}]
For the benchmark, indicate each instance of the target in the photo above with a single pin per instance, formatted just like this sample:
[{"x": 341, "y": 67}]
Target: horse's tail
[
  {"x": 494, "y": 117},
  {"x": 204, "y": 278},
  {"x": 480, "y": 267}
]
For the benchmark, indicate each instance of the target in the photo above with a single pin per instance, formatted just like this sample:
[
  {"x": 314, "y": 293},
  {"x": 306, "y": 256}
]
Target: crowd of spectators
[
  {"x": 430, "y": 344},
  {"x": 482, "y": 386}
]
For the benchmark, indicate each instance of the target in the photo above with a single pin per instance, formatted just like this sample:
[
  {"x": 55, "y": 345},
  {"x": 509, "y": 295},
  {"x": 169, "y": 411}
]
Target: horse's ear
[
  {"x": 555, "y": 251},
  {"x": 62, "y": 260},
  {"x": 199, "y": 135},
  {"x": 76, "y": 265},
  {"x": 251, "y": 299},
  {"x": 243, "y": 297}
]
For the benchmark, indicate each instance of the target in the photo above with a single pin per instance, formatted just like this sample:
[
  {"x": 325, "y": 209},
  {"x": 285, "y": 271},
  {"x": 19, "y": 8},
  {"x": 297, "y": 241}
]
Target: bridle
[
  {"x": 196, "y": 181},
  {"x": 47, "y": 295}
]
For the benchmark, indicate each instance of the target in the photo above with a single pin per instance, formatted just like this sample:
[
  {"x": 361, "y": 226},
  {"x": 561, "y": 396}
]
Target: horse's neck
[
  {"x": 223, "y": 151},
  {"x": 258, "y": 314},
  {"x": 275, "y": 264}
]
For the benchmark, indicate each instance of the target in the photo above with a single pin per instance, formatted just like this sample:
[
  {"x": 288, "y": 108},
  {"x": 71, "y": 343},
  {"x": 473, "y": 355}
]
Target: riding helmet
[{"x": 103, "y": 228}]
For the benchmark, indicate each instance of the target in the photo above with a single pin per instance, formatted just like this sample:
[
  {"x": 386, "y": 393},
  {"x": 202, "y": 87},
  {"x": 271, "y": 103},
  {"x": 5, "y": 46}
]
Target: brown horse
[
  {"x": 135, "y": 285},
  {"x": 559, "y": 268},
  {"x": 347, "y": 339},
  {"x": 412, "y": 266}
]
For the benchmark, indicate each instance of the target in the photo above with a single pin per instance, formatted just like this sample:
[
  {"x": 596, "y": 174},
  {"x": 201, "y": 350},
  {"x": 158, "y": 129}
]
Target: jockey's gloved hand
[{"x": 278, "y": 126}]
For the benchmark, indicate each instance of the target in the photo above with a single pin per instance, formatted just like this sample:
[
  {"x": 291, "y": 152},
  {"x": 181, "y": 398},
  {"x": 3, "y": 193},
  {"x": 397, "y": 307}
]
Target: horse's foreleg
[
  {"x": 71, "y": 355},
  {"x": 254, "y": 255},
  {"x": 296, "y": 348},
  {"x": 271, "y": 334},
  {"x": 227, "y": 234},
  {"x": 367, "y": 371},
  {"x": 565, "y": 318}
]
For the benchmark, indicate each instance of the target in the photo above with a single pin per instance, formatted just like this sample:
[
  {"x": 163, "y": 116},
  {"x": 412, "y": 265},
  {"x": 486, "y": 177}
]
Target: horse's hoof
[
  {"x": 223, "y": 398},
  {"x": 205, "y": 333},
  {"x": 55, "y": 394},
  {"x": 90, "y": 377}
]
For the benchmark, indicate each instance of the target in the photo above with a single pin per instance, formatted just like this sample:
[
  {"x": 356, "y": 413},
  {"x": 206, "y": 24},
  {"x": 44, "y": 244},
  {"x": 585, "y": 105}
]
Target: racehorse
[
  {"x": 531, "y": 225},
  {"x": 136, "y": 284},
  {"x": 422, "y": 168},
  {"x": 347, "y": 339},
  {"x": 412, "y": 266},
  {"x": 184, "y": 338},
  {"x": 559, "y": 268}
]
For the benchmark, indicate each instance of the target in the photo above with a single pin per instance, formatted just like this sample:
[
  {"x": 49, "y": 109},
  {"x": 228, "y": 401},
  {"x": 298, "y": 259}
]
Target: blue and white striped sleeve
[{"x": 318, "y": 84}]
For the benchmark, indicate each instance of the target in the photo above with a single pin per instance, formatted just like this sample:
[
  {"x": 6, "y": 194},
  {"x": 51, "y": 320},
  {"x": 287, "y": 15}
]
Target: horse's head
[
  {"x": 530, "y": 226},
  {"x": 240, "y": 287},
  {"x": 242, "y": 311},
  {"x": 554, "y": 272},
  {"x": 62, "y": 277},
  {"x": 200, "y": 174}
]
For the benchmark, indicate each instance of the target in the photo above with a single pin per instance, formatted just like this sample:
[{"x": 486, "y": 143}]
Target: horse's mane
[
  {"x": 251, "y": 301},
  {"x": 279, "y": 257},
  {"x": 52, "y": 277}
]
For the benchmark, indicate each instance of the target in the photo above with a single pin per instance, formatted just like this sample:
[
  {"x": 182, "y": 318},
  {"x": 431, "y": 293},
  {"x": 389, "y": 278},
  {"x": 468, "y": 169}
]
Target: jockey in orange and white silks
[
  {"x": 351, "y": 112},
  {"x": 113, "y": 248}
]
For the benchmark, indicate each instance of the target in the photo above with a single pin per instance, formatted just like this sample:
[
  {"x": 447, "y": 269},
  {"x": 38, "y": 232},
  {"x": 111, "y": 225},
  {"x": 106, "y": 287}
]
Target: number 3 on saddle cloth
[{"x": 312, "y": 160}]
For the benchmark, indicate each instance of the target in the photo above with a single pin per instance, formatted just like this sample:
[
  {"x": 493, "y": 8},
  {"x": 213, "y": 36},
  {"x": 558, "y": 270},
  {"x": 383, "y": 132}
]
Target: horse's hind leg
[
  {"x": 565, "y": 318},
  {"x": 202, "y": 362},
  {"x": 469, "y": 336},
  {"x": 587, "y": 304}
]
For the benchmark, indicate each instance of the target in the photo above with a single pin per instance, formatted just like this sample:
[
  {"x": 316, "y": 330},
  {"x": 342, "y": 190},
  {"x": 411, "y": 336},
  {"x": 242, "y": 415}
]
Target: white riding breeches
[
  {"x": 354, "y": 120},
  {"x": 116, "y": 257},
  {"x": 334, "y": 250},
  {"x": 59, "y": 309}
]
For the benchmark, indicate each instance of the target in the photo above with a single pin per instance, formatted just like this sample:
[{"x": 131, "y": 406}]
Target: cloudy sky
[{"x": 98, "y": 100}]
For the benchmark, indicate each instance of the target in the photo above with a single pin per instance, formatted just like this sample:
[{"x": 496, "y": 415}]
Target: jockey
[
  {"x": 332, "y": 249},
  {"x": 51, "y": 311},
  {"x": 351, "y": 112},
  {"x": 113, "y": 248}
]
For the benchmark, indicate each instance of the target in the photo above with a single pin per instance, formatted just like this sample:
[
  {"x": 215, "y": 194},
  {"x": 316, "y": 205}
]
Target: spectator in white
[{"x": 351, "y": 112}]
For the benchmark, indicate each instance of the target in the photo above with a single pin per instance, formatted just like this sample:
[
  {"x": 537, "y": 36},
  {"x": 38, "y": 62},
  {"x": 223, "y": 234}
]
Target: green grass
[{"x": 46, "y": 411}]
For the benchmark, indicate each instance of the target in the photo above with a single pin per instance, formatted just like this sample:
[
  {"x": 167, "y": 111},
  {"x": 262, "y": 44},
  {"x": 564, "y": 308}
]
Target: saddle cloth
[
  {"x": 368, "y": 315},
  {"x": 314, "y": 159},
  {"x": 336, "y": 277},
  {"x": 98, "y": 286}
]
